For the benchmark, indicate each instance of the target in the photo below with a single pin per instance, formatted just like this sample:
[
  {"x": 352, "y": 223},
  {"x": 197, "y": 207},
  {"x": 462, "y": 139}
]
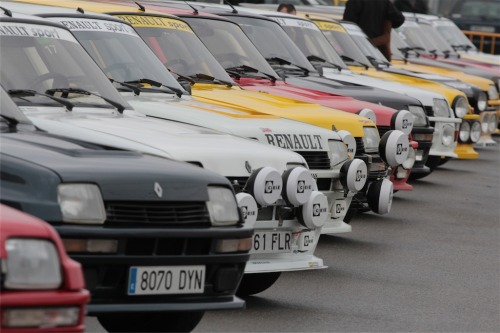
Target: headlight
[
  {"x": 371, "y": 139},
  {"x": 32, "y": 264},
  {"x": 81, "y": 203},
  {"x": 492, "y": 92},
  {"x": 475, "y": 131},
  {"x": 368, "y": 113},
  {"x": 441, "y": 108},
  {"x": 222, "y": 206},
  {"x": 485, "y": 119},
  {"x": 493, "y": 123},
  {"x": 448, "y": 135},
  {"x": 482, "y": 101},
  {"x": 338, "y": 151},
  {"x": 464, "y": 133},
  {"x": 460, "y": 106},
  {"x": 419, "y": 117}
]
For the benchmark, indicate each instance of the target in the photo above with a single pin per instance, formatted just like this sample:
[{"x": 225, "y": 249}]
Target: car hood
[
  {"x": 282, "y": 107},
  {"x": 367, "y": 90},
  {"x": 331, "y": 100},
  {"x": 241, "y": 121},
  {"x": 215, "y": 151},
  {"x": 120, "y": 174}
]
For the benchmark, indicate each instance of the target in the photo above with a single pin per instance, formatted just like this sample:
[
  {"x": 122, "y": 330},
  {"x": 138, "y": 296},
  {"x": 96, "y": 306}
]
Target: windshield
[
  {"x": 310, "y": 40},
  {"x": 438, "y": 42},
  {"x": 119, "y": 51},
  {"x": 43, "y": 57},
  {"x": 454, "y": 36},
  {"x": 342, "y": 43},
  {"x": 397, "y": 44},
  {"x": 272, "y": 41},
  {"x": 9, "y": 109},
  {"x": 229, "y": 44},
  {"x": 479, "y": 9},
  {"x": 177, "y": 47}
]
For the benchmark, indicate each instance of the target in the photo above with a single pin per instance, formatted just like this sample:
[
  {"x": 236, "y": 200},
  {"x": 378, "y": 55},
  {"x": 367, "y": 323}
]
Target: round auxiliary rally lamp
[
  {"x": 349, "y": 141},
  {"x": 394, "y": 147},
  {"x": 353, "y": 174},
  {"x": 298, "y": 185},
  {"x": 402, "y": 121},
  {"x": 314, "y": 212},
  {"x": 380, "y": 195},
  {"x": 248, "y": 208},
  {"x": 265, "y": 185}
]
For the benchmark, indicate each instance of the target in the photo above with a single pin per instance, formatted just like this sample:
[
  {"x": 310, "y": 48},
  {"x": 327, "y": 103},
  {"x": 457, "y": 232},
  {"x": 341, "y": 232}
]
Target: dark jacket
[{"x": 371, "y": 15}]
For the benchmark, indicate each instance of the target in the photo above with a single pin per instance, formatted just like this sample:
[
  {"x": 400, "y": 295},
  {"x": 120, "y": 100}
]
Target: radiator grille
[
  {"x": 173, "y": 214},
  {"x": 317, "y": 160}
]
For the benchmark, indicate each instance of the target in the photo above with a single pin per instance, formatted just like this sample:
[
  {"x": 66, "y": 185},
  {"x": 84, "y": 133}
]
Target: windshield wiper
[
  {"x": 206, "y": 77},
  {"x": 282, "y": 61},
  {"x": 377, "y": 62},
  {"x": 66, "y": 91},
  {"x": 349, "y": 59},
  {"x": 27, "y": 92},
  {"x": 244, "y": 69},
  {"x": 131, "y": 87},
  {"x": 154, "y": 83},
  {"x": 315, "y": 58}
]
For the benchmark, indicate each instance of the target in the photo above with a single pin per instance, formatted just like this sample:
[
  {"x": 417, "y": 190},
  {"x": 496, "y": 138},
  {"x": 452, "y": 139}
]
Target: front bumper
[
  {"x": 491, "y": 115},
  {"x": 45, "y": 299},
  {"x": 298, "y": 256},
  {"x": 439, "y": 146},
  {"x": 106, "y": 275}
]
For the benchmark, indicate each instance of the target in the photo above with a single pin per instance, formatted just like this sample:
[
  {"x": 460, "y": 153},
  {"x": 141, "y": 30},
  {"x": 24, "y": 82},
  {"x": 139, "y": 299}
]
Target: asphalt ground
[{"x": 431, "y": 265}]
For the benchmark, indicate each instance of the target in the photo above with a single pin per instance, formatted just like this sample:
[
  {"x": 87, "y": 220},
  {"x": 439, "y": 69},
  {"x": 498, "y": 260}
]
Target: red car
[{"x": 41, "y": 288}]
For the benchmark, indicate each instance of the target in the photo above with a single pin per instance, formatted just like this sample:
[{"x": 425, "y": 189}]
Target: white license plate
[
  {"x": 306, "y": 241},
  {"x": 163, "y": 280},
  {"x": 482, "y": 28},
  {"x": 272, "y": 242}
]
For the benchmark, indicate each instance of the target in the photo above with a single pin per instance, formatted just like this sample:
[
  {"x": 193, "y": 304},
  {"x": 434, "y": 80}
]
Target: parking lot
[{"x": 432, "y": 264}]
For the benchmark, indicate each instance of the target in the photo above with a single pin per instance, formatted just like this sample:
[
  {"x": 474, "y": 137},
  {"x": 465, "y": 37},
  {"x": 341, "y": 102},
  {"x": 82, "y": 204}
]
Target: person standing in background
[
  {"x": 287, "y": 8},
  {"x": 376, "y": 18}
]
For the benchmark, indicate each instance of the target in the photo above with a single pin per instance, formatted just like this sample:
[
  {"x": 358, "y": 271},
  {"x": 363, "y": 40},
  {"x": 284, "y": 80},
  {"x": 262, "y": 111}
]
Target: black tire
[
  {"x": 252, "y": 284},
  {"x": 151, "y": 322},
  {"x": 433, "y": 162}
]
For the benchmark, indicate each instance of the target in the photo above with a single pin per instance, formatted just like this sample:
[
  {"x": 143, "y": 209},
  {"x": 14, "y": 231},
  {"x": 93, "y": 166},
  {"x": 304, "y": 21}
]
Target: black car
[
  {"x": 478, "y": 16},
  {"x": 160, "y": 241}
]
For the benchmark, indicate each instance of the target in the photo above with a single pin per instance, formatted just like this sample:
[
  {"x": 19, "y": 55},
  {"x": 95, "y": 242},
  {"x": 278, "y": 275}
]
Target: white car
[
  {"x": 59, "y": 87},
  {"x": 318, "y": 146}
]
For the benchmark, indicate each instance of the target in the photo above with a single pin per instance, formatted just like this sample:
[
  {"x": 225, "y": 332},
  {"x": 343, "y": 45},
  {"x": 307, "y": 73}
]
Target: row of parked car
[{"x": 185, "y": 155}]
